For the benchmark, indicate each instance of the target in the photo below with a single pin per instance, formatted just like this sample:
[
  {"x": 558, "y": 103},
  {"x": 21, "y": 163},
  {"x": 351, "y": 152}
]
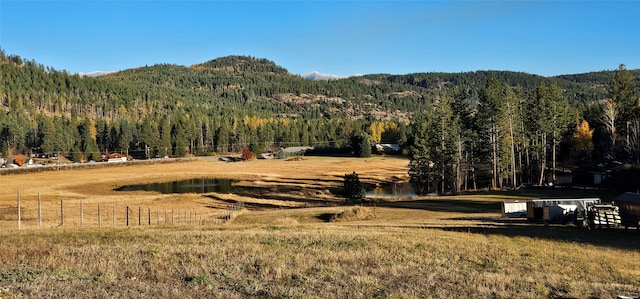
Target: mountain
[{"x": 235, "y": 98}]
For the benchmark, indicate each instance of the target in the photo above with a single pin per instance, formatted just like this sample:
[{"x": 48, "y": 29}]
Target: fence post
[
  {"x": 114, "y": 215},
  {"x": 19, "y": 224},
  {"x": 81, "y": 214},
  {"x": 61, "y": 212},
  {"x": 165, "y": 217},
  {"x": 99, "y": 224},
  {"x": 149, "y": 215},
  {"x": 157, "y": 218},
  {"x": 127, "y": 215},
  {"x": 139, "y": 213},
  {"x": 39, "y": 212}
]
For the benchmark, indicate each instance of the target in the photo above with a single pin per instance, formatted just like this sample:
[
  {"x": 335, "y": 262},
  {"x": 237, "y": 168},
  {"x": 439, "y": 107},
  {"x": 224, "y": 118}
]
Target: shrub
[
  {"x": 247, "y": 154},
  {"x": 20, "y": 160},
  {"x": 77, "y": 156},
  {"x": 282, "y": 154},
  {"x": 354, "y": 214}
]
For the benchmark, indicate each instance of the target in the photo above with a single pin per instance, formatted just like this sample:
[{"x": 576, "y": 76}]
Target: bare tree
[
  {"x": 610, "y": 112},
  {"x": 632, "y": 145}
]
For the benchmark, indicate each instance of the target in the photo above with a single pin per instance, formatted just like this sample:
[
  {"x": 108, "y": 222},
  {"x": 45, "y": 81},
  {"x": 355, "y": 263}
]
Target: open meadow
[{"x": 275, "y": 236}]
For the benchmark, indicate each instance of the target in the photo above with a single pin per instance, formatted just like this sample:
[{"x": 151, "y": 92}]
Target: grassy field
[{"x": 284, "y": 244}]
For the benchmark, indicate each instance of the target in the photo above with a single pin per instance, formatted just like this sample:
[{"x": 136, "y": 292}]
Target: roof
[
  {"x": 296, "y": 149},
  {"x": 629, "y": 197}
]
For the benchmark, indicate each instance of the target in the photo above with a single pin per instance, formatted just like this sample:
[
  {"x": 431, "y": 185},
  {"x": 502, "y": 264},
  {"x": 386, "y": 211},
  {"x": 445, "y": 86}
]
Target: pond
[
  {"x": 405, "y": 189},
  {"x": 185, "y": 186},
  {"x": 206, "y": 185}
]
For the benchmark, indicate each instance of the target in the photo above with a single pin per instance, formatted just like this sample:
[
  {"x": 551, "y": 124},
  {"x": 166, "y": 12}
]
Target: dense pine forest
[{"x": 496, "y": 129}]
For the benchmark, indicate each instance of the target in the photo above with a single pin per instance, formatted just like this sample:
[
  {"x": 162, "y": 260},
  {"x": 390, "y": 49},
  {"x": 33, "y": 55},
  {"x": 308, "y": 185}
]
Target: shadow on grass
[
  {"x": 446, "y": 205},
  {"x": 250, "y": 206},
  {"x": 616, "y": 238},
  {"x": 325, "y": 217}
]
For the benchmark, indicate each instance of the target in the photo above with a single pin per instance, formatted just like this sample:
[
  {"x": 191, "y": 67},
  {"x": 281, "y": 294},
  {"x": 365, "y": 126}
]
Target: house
[
  {"x": 114, "y": 158},
  {"x": 388, "y": 148},
  {"x": 298, "y": 150}
]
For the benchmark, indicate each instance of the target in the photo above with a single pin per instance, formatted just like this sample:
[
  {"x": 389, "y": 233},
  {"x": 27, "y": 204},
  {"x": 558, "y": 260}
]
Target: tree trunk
[
  {"x": 544, "y": 159},
  {"x": 494, "y": 179},
  {"x": 513, "y": 153},
  {"x": 553, "y": 158}
]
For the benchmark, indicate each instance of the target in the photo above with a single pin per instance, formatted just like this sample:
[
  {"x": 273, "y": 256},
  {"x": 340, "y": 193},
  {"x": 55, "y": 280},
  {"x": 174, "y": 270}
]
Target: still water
[
  {"x": 226, "y": 186},
  {"x": 185, "y": 186},
  {"x": 393, "y": 190}
]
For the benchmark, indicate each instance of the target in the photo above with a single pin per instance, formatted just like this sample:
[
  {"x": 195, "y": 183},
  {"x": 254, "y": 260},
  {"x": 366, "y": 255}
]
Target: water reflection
[
  {"x": 393, "y": 190},
  {"x": 185, "y": 186}
]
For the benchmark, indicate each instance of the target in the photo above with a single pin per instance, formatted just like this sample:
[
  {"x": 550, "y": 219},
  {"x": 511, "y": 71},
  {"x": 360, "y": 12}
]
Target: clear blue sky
[{"x": 336, "y": 37}]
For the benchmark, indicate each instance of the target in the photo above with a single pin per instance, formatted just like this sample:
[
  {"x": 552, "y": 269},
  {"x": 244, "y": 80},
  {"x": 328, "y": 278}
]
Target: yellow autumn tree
[{"x": 582, "y": 137}]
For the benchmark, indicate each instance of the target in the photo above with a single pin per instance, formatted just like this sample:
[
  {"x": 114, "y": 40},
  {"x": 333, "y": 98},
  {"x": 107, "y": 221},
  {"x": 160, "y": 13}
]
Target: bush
[
  {"x": 77, "y": 156},
  {"x": 20, "y": 160},
  {"x": 354, "y": 214},
  {"x": 247, "y": 154},
  {"x": 282, "y": 154}
]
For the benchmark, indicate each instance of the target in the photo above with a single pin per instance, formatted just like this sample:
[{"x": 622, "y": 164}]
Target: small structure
[
  {"x": 535, "y": 208},
  {"x": 388, "y": 148},
  {"x": 514, "y": 209},
  {"x": 629, "y": 204},
  {"x": 298, "y": 150},
  {"x": 112, "y": 158}
]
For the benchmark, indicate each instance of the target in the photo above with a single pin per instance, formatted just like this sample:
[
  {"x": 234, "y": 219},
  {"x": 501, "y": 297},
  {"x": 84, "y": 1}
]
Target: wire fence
[{"x": 31, "y": 213}]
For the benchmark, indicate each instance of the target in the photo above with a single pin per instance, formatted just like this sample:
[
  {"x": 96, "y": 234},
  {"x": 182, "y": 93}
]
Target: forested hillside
[{"x": 230, "y": 103}]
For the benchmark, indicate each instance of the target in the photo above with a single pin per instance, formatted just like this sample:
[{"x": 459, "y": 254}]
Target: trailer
[
  {"x": 514, "y": 209},
  {"x": 560, "y": 213},
  {"x": 602, "y": 216}
]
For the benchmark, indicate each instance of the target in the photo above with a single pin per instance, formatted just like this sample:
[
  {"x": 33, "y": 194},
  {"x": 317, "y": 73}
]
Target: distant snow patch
[
  {"x": 95, "y": 73},
  {"x": 317, "y": 76}
]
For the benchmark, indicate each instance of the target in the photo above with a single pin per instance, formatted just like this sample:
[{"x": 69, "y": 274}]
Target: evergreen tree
[
  {"x": 88, "y": 143},
  {"x": 435, "y": 146},
  {"x": 489, "y": 125},
  {"x": 352, "y": 189},
  {"x": 361, "y": 146},
  {"x": 164, "y": 143},
  {"x": 125, "y": 137},
  {"x": 624, "y": 92}
]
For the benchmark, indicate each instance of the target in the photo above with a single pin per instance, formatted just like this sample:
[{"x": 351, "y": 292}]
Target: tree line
[{"x": 513, "y": 135}]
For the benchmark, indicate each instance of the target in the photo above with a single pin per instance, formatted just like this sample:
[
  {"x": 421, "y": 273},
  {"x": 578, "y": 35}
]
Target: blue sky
[{"x": 337, "y": 37}]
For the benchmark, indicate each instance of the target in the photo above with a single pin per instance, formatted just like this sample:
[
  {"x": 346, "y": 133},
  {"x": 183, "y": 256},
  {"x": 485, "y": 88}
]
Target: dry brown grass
[
  {"x": 282, "y": 243},
  {"x": 354, "y": 214}
]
